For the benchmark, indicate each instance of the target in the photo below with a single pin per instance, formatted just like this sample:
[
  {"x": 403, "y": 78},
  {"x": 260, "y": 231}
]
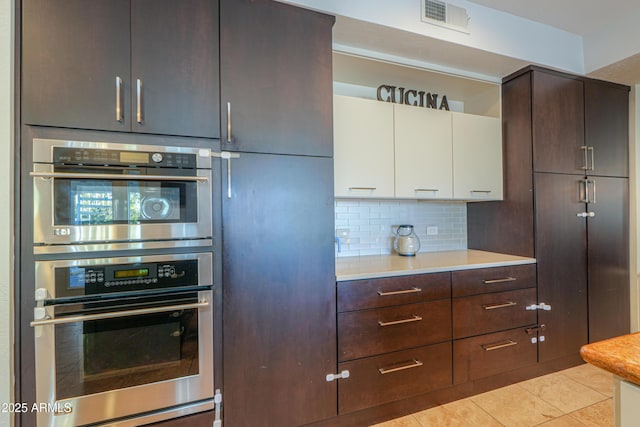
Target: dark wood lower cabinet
[
  {"x": 279, "y": 319},
  {"x": 370, "y": 332},
  {"x": 481, "y": 314},
  {"x": 486, "y": 355},
  {"x": 394, "y": 376},
  {"x": 608, "y": 260},
  {"x": 203, "y": 419},
  {"x": 562, "y": 263}
]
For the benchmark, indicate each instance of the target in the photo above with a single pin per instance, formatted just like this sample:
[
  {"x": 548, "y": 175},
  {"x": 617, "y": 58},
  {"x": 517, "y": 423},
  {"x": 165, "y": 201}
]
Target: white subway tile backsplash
[{"x": 371, "y": 225}]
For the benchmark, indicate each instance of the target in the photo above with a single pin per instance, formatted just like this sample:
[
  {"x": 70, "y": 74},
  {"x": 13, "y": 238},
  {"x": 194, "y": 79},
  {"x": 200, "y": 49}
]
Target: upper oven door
[{"x": 110, "y": 204}]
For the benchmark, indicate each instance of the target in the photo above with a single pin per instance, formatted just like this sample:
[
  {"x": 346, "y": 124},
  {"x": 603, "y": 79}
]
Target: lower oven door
[{"x": 108, "y": 365}]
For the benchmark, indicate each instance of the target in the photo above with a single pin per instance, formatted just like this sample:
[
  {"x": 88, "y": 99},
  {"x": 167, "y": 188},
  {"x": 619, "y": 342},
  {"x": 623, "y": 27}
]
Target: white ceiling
[
  {"x": 582, "y": 17},
  {"x": 593, "y": 37}
]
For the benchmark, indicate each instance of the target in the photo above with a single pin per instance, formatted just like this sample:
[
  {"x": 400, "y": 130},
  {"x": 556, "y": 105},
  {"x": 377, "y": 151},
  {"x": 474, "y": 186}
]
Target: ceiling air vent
[{"x": 445, "y": 14}]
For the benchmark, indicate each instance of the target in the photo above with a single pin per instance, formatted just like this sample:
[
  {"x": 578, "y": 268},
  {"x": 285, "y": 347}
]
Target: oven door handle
[
  {"x": 124, "y": 313},
  {"x": 116, "y": 176}
]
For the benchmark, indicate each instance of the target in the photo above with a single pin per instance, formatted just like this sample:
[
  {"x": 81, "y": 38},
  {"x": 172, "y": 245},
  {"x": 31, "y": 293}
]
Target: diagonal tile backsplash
[{"x": 366, "y": 226}]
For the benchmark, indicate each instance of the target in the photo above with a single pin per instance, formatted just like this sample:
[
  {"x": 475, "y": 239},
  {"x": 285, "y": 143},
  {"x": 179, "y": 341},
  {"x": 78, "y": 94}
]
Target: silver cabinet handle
[
  {"x": 415, "y": 318},
  {"x": 491, "y": 347},
  {"x": 404, "y": 291},
  {"x": 363, "y": 188},
  {"x": 415, "y": 363},
  {"x": 584, "y": 183},
  {"x": 593, "y": 159},
  {"x": 593, "y": 181},
  {"x": 229, "y": 135},
  {"x": 505, "y": 279},
  {"x": 502, "y": 305},
  {"x": 585, "y": 167},
  {"x": 433, "y": 190},
  {"x": 139, "y": 101},
  {"x": 481, "y": 191},
  {"x": 118, "y": 177},
  {"x": 119, "y": 112},
  {"x": 124, "y": 313},
  {"x": 228, "y": 156}
]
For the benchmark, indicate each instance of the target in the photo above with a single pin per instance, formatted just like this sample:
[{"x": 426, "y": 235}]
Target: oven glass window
[
  {"x": 98, "y": 202},
  {"x": 102, "y": 355}
]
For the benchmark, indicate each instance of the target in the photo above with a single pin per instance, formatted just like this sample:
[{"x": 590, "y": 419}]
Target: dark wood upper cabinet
[
  {"x": 558, "y": 123},
  {"x": 276, "y": 78},
  {"x": 174, "y": 53},
  {"x": 609, "y": 145},
  {"x": 74, "y": 57},
  {"x": 71, "y": 57}
]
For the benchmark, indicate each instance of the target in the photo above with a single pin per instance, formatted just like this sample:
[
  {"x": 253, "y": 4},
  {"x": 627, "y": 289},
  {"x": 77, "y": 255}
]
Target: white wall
[{"x": 6, "y": 205}]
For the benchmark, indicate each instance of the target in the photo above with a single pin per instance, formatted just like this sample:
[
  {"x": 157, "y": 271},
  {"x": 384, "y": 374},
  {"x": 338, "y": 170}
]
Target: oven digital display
[
  {"x": 138, "y": 272},
  {"x": 76, "y": 277},
  {"x": 133, "y": 157}
]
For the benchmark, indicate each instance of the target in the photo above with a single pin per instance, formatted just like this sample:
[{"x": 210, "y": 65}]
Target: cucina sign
[{"x": 418, "y": 98}]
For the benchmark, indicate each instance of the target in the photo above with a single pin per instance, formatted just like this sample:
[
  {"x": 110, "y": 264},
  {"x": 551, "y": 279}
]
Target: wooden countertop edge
[{"x": 619, "y": 355}]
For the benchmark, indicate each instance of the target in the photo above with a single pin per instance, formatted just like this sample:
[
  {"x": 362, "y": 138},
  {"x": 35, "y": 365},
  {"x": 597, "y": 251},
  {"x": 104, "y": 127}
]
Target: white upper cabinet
[
  {"x": 477, "y": 157},
  {"x": 363, "y": 148},
  {"x": 423, "y": 153}
]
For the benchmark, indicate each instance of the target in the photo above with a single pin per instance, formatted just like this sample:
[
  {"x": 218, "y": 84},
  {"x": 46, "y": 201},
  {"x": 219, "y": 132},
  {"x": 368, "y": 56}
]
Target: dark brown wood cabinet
[
  {"x": 607, "y": 103},
  {"x": 279, "y": 326},
  {"x": 608, "y": 259},
  {"x": 561, "y": 241},
  {"x": 276, "y": 78},
  {"x": 81, "y": 65},
  {"x": 394, "y": 338},
  {"x": 558, "y": 123},
  {"x": 566, "y": 203},
  {"x": 279, "y": 301}
]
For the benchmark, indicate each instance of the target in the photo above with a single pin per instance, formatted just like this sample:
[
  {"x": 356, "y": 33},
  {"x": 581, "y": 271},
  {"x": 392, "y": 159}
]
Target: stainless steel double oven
[{"x": 123, "y": 315}]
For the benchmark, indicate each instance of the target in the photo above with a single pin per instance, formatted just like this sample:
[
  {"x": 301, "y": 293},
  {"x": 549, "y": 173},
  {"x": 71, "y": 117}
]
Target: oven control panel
[
  {"x": 74, "y": 281},
  {"x": 103, "y": 157}
]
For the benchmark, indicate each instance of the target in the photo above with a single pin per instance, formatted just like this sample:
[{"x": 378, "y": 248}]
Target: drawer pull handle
[
  {"x": 414, "y": 364},
  {"x": 404, "y": 291},
  {"x": 503, "y": 305},
  {"x": 505, "y": 279},
  {"x": 415, "y": 318},
  {"x": 491, "y": 347}
]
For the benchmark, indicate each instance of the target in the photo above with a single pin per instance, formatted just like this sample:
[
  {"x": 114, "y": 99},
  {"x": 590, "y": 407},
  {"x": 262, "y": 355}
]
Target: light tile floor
[{"x": 576, "y": 397}]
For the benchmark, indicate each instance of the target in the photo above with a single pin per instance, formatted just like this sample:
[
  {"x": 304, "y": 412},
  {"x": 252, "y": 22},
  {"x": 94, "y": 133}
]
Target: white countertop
[{"x": 375, "y": 266}]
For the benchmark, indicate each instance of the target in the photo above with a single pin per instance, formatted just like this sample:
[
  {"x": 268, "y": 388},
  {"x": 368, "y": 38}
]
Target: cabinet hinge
[
  {"x": 541, "y": 306},
  {"x": 341, "y": 375}
]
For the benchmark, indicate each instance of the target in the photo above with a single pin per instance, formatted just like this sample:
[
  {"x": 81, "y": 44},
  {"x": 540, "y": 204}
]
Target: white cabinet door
[
  {"x": 423, "y": 153},
  {"x": 363, "y": 147},
  {"x": 477, "y": 157}
]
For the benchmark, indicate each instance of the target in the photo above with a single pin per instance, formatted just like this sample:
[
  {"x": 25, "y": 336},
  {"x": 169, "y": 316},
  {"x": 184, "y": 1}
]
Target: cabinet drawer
[
  {"x": 388, "y": 291},
  {"x": 491, "y": 354},
  {"x": 481, "y": 314},
  {"x": 370, "y": 332},
  {"x": 496, "y": 279},
  {"x": 394, "y": 376}
]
